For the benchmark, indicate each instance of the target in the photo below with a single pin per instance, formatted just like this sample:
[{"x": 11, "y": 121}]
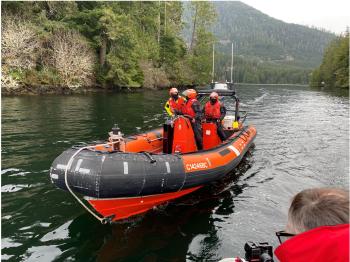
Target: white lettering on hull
[{"x": 196, "y": 166}]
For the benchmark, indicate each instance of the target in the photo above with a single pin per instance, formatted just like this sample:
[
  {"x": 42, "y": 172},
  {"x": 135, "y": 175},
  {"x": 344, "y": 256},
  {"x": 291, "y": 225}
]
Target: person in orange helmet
[
  {"x": 192, "y": 110},
  {"x": 215, "y": 111},
  {"x": 175, "y": 103}
]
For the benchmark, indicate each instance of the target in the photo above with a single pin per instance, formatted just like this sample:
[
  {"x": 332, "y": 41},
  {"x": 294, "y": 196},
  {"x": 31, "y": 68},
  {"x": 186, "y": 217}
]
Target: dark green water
[{"x": 302, "y": 142}]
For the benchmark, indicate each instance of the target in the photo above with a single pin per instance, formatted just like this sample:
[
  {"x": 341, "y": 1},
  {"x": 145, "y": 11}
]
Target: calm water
[{"x": 302, "y": 142}]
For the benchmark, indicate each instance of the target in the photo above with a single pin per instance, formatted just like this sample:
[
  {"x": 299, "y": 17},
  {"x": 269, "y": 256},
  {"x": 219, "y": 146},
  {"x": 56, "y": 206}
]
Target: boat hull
[
  {"x": 121, "y": 208},
  {"x": 126, "y": 184}
]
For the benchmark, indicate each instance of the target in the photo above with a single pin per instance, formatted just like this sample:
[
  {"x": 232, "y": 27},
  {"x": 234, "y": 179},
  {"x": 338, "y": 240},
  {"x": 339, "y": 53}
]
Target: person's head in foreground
[{"x": 317, "y": 228}]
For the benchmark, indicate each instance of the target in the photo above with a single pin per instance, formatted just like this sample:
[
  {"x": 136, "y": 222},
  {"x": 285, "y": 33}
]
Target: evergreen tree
[
  {"x": 202, "y": 40},
  {"x": 334, "y": 70}
]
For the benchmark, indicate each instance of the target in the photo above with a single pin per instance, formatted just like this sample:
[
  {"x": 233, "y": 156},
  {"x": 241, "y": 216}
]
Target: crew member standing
[
  {"x": 192, "y": 110},
  {"x": 175, "y": 103},
  {"x": 215, "y": 111}
]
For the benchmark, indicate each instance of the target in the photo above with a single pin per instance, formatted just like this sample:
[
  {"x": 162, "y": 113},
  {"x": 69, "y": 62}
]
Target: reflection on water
[{"x": 302, "y": 142}]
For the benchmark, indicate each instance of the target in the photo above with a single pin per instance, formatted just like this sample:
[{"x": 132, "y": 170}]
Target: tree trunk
[
  {"x": 103, "y": 50},
  {"x": 164, "y": 17},
  {"x": 158, "y": 37},
  {"x": 194, "y": 29}
]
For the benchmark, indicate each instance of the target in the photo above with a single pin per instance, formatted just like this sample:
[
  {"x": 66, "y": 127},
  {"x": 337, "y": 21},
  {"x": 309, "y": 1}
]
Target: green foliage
[
  {"x": 46, "y": 76},
  {"x": 38, "y": 77},
  {"x": 140, "y": 43},
  {"x": 254, "y": 71},
  {"x": 122, "y": 67},
  {"x": 334, "y": 70},
  {"x": 17, "y": 74},
  {"x": 201, "y": 61},
  {"x": 203, "y": 16},
  {"x": 125, "y": 33},
  {"x": 171, "y": 50}
]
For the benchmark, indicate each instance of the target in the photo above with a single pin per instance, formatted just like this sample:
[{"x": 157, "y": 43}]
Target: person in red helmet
[
  {"x": 317, "y": 227},
  {"x": 215, "y": 111},
  {"x": 192, "y": 110},
  {"x": 175, "y": 103}
]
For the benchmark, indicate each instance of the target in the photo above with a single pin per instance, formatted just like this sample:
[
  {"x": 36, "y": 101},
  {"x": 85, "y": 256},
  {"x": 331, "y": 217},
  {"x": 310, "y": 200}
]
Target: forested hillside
[
  {"x": 266, "y": 50},
  {"x": 108, "y": 44},
  {"x": 334, "y": 70},
  {"x": 130, "y": 44},
  {"x": 258, "y": 35}
]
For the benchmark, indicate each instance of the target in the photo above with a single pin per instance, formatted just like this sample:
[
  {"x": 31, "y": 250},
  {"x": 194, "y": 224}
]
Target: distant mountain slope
[{"x": 256, "y": 34}]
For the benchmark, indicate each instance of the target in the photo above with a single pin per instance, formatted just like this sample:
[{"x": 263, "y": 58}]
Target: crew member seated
[
  {"x": 175, "y": 103},
  {"x": 192, "y": 110},
  {"x": 214, "y": 111}
]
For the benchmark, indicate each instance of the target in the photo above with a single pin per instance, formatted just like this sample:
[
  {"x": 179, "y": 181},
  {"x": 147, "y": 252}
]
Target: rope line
[{"x": 103, "y": 220}]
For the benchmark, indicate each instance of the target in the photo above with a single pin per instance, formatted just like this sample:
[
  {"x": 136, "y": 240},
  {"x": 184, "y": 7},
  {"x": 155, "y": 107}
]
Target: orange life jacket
[
  {"x": 188, "y": 110},
  {"x": 176, "y": 105},
  {"x": 212, "y": 111}
]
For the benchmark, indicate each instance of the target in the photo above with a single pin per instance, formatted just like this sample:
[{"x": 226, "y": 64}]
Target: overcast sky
[{"x": 331, "y": 15}]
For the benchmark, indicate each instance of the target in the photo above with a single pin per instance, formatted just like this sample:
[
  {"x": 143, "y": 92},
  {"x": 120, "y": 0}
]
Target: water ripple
[{"x": 302, "y": 142}]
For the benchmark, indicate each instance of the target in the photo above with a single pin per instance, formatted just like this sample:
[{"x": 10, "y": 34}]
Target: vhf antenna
[
  {"x": 231, "y": 60},
  {"x": 212, "y": 80}
]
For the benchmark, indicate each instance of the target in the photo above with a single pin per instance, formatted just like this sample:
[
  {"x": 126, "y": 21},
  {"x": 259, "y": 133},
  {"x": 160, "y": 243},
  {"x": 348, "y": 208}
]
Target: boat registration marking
[
  {"x": 234, "y": 150},
  {"x": 126, "y": 168},
  {"x": 167, "y": 167},
  {"x": 196, "y": 166}
]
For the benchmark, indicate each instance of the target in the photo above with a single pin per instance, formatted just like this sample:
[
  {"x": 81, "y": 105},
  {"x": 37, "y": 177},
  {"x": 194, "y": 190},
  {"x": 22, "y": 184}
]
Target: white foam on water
[
  {"x": 20, "y": 173},
  {"x": 8, "y": 242},
  {"x": 13, "y": 188},
  {"x": 43, "y": 253},
  {"x": 10, "y": 188},
  {"x": 5, "y": 257},
  {"x": 9, "y": 170},
  {"x": 57, "y": 234}
]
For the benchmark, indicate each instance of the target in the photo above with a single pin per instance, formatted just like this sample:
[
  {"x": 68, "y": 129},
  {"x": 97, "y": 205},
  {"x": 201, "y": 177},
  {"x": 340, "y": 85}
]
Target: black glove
[{"x": 177, "y": 112}]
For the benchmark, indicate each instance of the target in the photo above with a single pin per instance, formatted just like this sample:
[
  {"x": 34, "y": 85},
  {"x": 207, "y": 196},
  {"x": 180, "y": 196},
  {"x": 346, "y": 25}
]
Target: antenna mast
[
  {"x": 212, "y": 80},
  {"x": 231, "y": 60}
]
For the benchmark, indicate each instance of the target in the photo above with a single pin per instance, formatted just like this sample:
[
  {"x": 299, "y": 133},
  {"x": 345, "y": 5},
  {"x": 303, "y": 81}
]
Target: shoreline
[{"x": 64, "y": 90}]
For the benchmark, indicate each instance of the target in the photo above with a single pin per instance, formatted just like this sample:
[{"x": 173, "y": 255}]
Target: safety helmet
[
  {"x": 173, "y": 91},
  {"x": 214, "y": 95},
  {"x": 190, "y": 93}
]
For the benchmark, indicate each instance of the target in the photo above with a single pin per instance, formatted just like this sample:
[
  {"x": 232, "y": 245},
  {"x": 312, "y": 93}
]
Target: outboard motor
[{"x": 116, "y": 137}]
